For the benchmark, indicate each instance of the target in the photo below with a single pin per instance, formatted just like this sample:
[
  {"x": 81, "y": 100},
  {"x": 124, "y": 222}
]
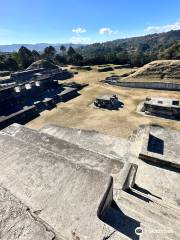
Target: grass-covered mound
[
  {"x": 42, "y": 64},
  {"x": 160, "y": 70}
]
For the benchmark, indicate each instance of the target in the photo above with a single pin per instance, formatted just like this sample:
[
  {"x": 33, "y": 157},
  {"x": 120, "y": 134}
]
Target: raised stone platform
[
  {"x": 68, "y": 197},
  {"x": 121, "y": 170},
  {"x": 28, "y": 87},
  {"x": 153, "y": 201},
  {"x": 53, "y": 189},
  {"x": 91, "y": 140},
  {"x": 161, "y": 146},
  {"x": 22, "y": 116},
  {"x": 156, "y": 178}
]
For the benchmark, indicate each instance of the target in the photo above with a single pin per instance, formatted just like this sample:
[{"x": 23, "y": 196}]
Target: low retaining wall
[
  {"x": 4, "y": 73},
  {"x": 23, "y": 116},
  {"x": 148, "y": 85}
]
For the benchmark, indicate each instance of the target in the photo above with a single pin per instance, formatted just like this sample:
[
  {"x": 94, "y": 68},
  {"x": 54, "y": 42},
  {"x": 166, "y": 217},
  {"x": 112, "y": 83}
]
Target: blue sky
[{"x": 84, "y": 21}]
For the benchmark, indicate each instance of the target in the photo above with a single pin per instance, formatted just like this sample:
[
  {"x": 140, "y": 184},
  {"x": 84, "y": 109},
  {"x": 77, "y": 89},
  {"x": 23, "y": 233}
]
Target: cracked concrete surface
[{"x": 17, "y": 221}]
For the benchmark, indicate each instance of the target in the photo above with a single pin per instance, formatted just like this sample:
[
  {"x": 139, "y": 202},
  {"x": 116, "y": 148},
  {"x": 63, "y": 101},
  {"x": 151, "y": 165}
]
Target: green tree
[
  {"x": 137, "y": 59},
  {"x": 25, "y": 57},
  {"x": 71, "y": 52},
  {"x": 2, "y": 66},
  {"x": 77, "y": 59},
  {"x": 122, "y": 57},
  {"x": 16, "y": 57},
  {"x": 49, "y": 53},
  {"x": 142, "y": 47},
  {"x": 63, "y": 49},
  {"x": 35, "y": 55},
  {"x": 173, "y": 52},
  {"x": 59, "y": 59},
  {"x": 11, "y": 64}
]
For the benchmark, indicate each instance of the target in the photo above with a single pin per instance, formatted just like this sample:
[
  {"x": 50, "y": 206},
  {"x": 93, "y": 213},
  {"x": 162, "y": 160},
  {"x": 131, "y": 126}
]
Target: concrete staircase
[
  {"x": 157, "y": 214},
  {"x": 69, "y": 187},
  {"x": 156, "y": 221},
  {"x": 59, "y": 181},
  {"x": 149, "y": 210},
  {"x": 122, "y": 172}
]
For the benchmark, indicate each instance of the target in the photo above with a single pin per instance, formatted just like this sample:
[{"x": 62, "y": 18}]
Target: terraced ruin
[
  {"x": 67, "y": 183},
  {"x": 27, "y": 93},
  {"x": 59, "y": 182},
  {"x": 161, "y": 74}
]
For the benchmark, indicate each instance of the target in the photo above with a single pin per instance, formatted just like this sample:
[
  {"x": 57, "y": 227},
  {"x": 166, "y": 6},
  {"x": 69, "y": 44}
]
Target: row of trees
[
  {"x": 133, "y": 54},
  {"x": 91, "y": 55},
  {"x": 24, "y": 57}
]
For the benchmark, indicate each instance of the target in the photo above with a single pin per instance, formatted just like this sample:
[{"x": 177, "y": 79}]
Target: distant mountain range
[{"x": 38, "y": 47}]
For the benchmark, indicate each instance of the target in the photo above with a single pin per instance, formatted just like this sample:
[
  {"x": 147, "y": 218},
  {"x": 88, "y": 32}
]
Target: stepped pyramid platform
[
  {"x": 120, "y": 169},
  {"x": 67, "y": 196},
  {"x": 59, "y": 183},
  {"x": 91, "y": 140}
]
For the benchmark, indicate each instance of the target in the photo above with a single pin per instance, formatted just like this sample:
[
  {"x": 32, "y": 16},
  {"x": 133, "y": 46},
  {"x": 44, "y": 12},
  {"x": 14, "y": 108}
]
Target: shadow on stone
[
  {"x": 117, "y": 106},
  {"x": 25, "y": 108},
  {"x": 163, "y": 165},
  {"x": 138, "y": 195},
  {"x": 145, "y": 191},
  {"x": 70, "y": 97},
  {"x": 115, "y": 218},
  {"x": 155, "y": 145}
]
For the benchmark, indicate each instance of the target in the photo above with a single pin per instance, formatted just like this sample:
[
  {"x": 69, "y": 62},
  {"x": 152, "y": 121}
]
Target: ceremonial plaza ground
[{"x": 80, "y": 113}]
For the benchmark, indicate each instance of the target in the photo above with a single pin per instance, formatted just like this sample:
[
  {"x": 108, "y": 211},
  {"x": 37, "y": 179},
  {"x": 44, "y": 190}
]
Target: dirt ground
[{"x": 80, "y": 113}]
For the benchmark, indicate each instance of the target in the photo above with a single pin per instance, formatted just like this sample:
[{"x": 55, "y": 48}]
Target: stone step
[
  {"x": 122, "y": 172},
  {"x": 149, "y": 211},
  {"x": 151, "y": 229},
  {"x": 104, "y": 144},
  {"x": 155, "y": 179},
  {"x": 163, "y": 203},
  {"x": 159, "y": 181},
  {"x": 68, "y": 197},
  {"x": 126, "y": 222}
]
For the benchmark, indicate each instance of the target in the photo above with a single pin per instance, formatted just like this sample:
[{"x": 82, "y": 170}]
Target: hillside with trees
[{"x": 136, "y": 51}]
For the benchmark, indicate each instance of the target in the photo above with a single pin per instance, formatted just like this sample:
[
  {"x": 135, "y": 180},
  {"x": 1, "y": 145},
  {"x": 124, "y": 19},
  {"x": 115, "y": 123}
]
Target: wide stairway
[{"x": 75, "y": 184}]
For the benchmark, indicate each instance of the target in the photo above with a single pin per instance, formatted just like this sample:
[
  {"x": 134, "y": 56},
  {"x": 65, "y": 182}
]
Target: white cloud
[
  {"x": 163, "y": 28},
  {"x": 79, "y": 30},
  {"x": 80, "y": 40},
  {"x": 106, "y": 30}
]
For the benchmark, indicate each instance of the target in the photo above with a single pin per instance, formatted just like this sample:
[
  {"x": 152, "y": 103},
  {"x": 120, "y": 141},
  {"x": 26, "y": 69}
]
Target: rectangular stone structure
[
  {"x": 166, "y": 149},
  {"x": 162, "y": 106},
  {"x": 69, "y": 197},
  {"x": 117, "y": 168}
]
